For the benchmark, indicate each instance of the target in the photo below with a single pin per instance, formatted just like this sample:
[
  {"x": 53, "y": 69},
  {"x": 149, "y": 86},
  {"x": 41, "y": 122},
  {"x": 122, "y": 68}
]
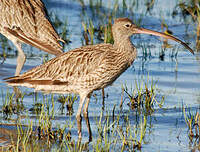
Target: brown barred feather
[{"x": 28, "y": 19}]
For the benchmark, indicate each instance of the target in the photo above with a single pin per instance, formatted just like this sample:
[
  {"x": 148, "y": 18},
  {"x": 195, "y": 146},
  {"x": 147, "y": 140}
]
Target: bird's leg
[
  {"x": 20, "y": 59},
  {"x": 85, "y": 114},
  {"x": 103, "y": 93},
  {"x": 103, "y": 99},
  {"x": 20, "y": 62},
  {"x": 78, "y": 116}
]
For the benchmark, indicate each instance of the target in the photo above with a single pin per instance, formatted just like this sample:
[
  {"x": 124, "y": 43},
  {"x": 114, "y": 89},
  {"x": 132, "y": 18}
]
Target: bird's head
[{"x": 123, "y": 28}]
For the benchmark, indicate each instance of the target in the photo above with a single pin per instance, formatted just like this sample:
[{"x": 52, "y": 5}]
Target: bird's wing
[
  {"x": 29, "y": 22},
  {"x": 84, "y": 64}
]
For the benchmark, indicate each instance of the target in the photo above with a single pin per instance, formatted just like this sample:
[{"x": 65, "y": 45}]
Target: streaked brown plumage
[
  {"x": 26, "y": 21},
  {"x": 88, "y": 68}
]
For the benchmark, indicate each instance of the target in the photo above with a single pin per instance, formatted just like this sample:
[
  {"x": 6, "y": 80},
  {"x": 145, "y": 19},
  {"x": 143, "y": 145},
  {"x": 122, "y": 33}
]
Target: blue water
[{"x": 177, "y": 77}]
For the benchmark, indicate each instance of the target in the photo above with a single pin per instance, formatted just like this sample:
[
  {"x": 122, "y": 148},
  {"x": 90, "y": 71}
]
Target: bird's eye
[{"x": 127, "y": 25}]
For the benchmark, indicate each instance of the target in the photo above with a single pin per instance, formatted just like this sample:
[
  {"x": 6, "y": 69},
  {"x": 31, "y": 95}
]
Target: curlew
[
  {"x": 26, "y": 21},
  {"x": 88, "y": 68}
]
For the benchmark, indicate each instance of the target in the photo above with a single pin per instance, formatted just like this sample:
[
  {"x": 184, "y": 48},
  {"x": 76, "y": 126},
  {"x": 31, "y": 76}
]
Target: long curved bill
[{"x": 138, "y": 30}]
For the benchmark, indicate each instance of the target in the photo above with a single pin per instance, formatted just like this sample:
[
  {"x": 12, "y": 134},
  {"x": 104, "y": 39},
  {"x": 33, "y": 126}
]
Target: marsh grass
[
  {"x": 166, "y": 30},
  {"x": 4, "y": 45},
  {"x": 108, "y": 37},
  {"x": 191, "y": 8},
  {"x": 6, "y": 48},
  {"x": 36, "y": 109},
  {"x": 149, "y": 6},
  {"x": 113, "y": 135},
  {"x": 99, "y": 31},
  {"x": 69, "y": 101},
  {"x": 11, "y": 104},
  {"x": 144, "y": 97},
  {"x": 65, "y": 33},
  {"x": 88, "y": 32},
  {"x": 41, "y": 134},
  {"x": 192, "y": 121}
]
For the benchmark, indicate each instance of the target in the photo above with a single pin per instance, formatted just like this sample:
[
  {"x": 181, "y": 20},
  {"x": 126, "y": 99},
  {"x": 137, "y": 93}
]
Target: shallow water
[{"x": 177, "y": 77}]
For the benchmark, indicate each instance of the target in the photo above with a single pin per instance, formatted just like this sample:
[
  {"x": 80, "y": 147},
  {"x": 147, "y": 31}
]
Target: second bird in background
[{"x": 27, "y": 21}]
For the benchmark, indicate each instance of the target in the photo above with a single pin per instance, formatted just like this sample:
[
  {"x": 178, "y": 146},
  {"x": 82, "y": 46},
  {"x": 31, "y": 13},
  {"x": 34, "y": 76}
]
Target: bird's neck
[
  {"x": 124, "y": 44},
  {"x": 126, "y": 50}
]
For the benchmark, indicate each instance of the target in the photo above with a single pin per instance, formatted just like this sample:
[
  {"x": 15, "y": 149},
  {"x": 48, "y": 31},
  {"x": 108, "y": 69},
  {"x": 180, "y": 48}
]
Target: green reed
[
  {"x": 12, "y": 104},
  {"x": 192, "y": 121},
  {"x": 143, "y": 97},
  {"x": 191, "y": 8}
]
